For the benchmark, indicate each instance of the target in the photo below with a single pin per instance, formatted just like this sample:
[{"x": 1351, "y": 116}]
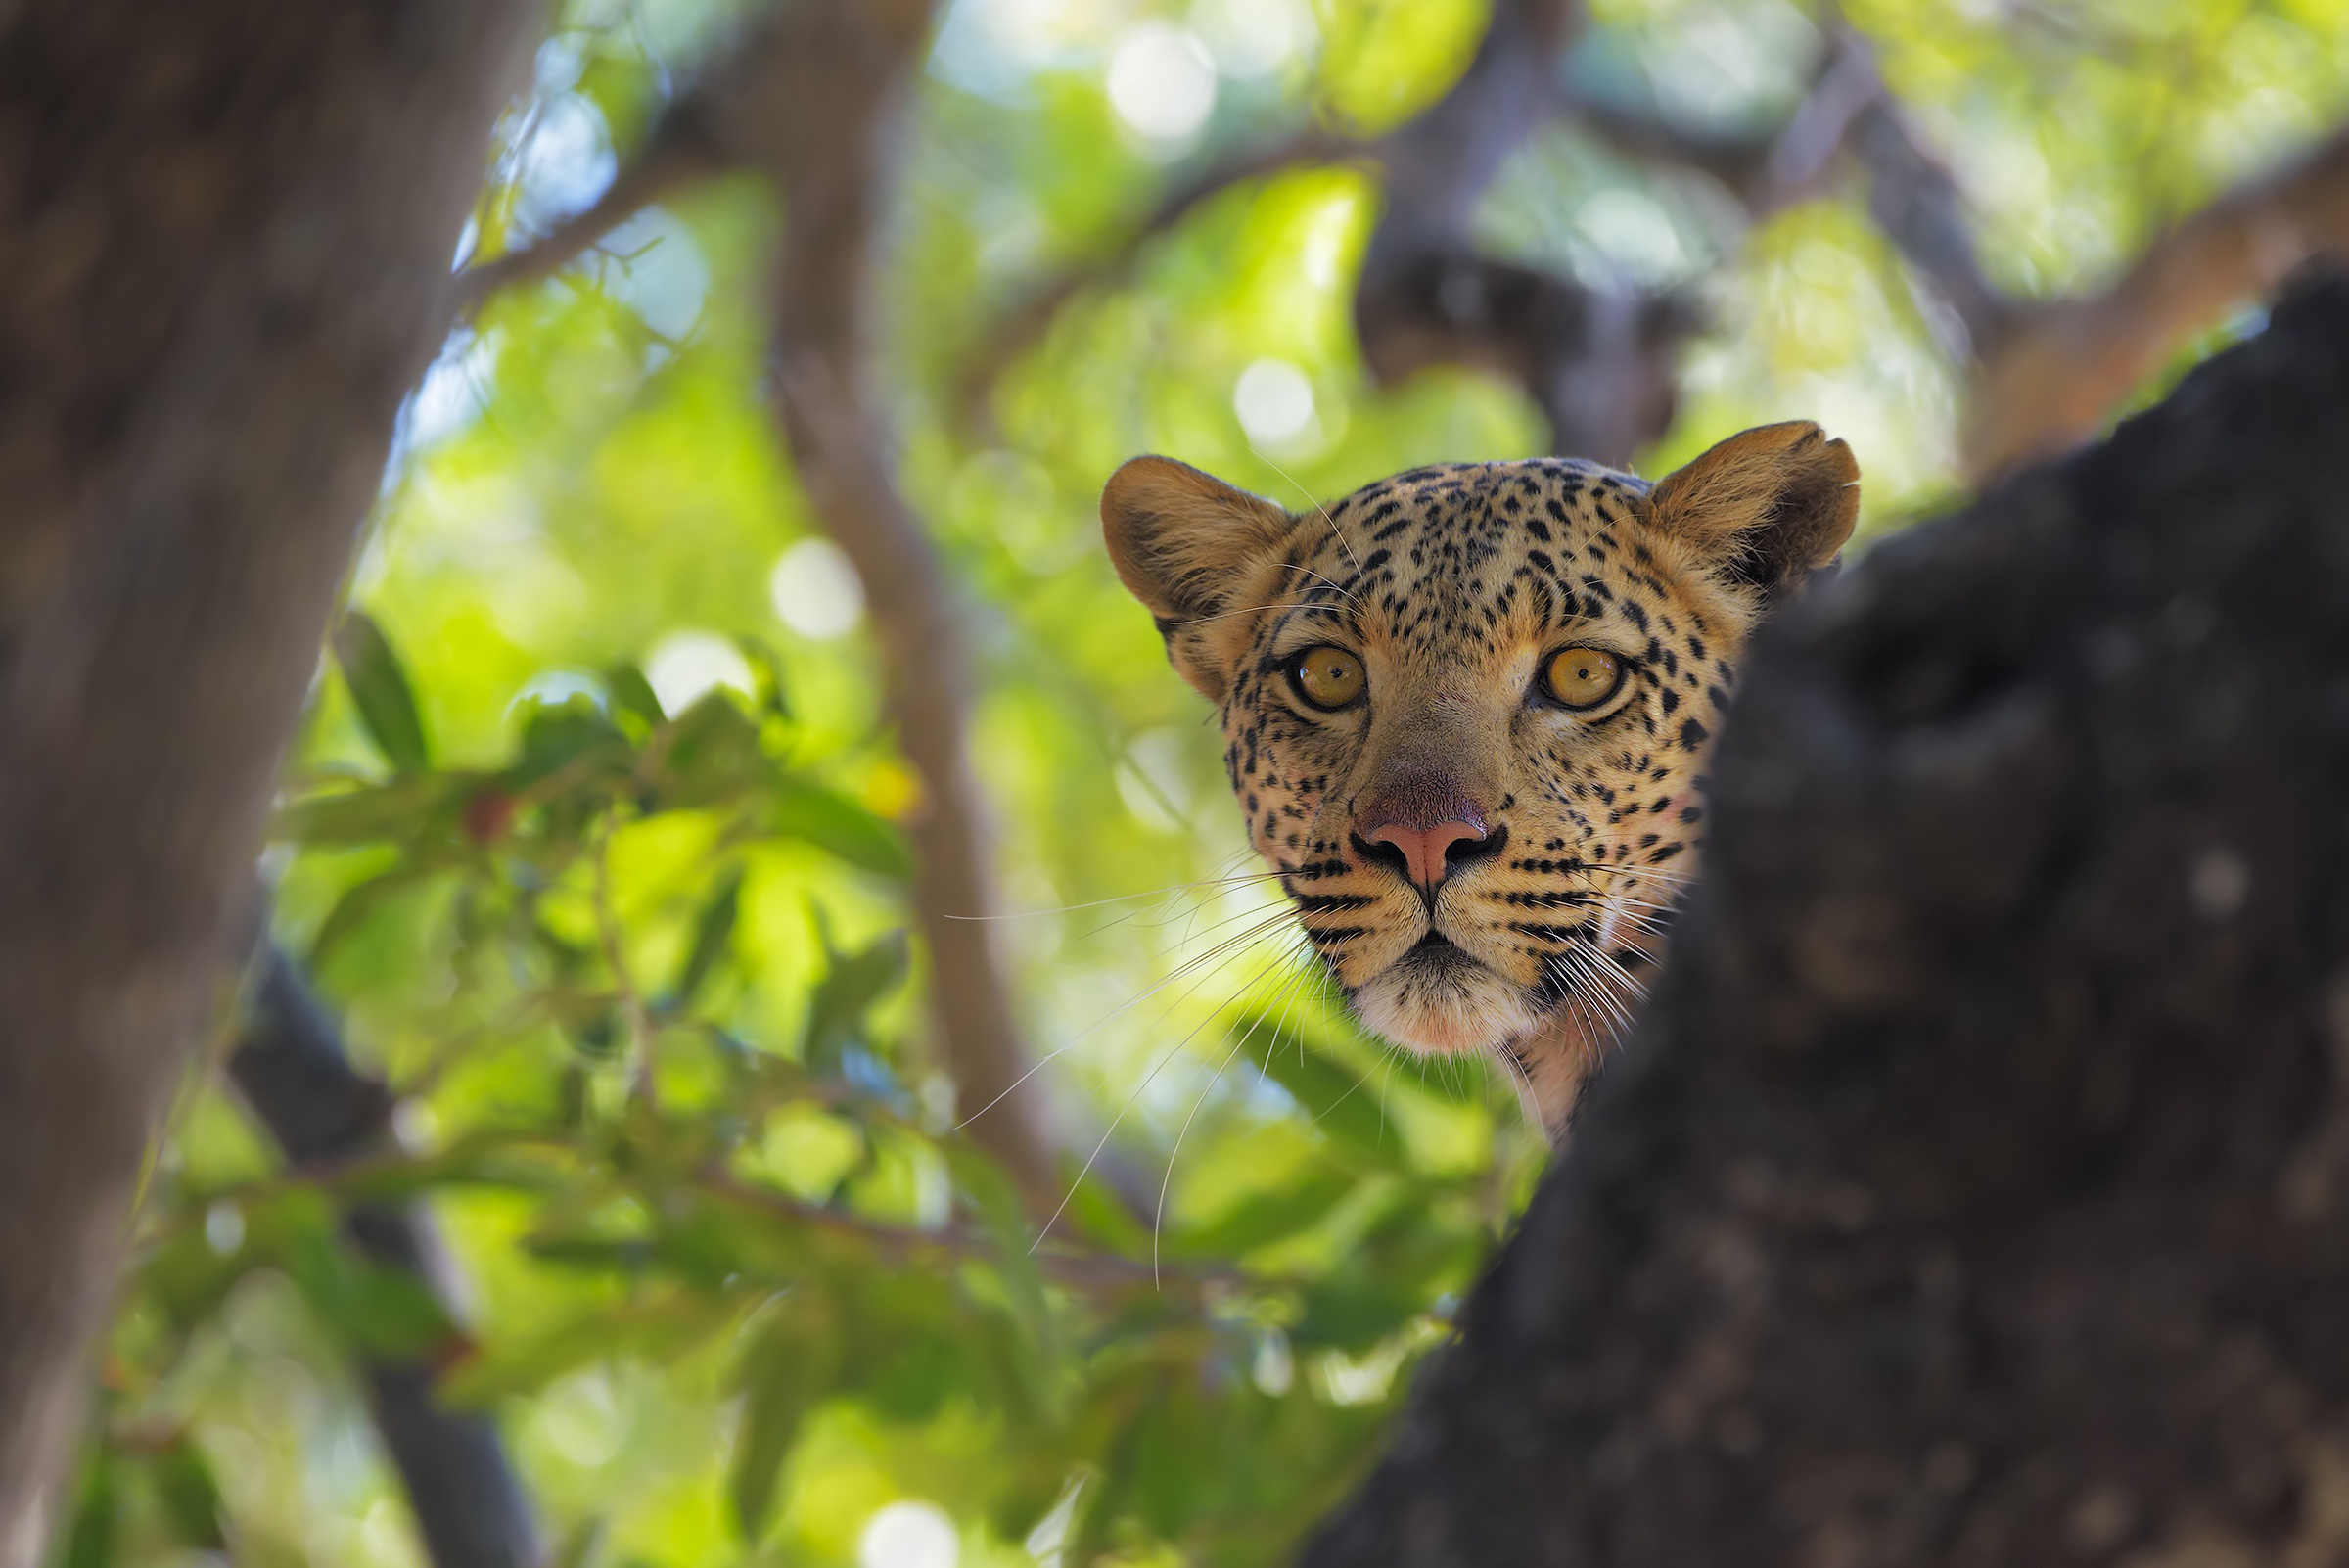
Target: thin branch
[
  {"x": 1080, "y": 1271},
  {"x": 842, "y": 68},
  {"x": 723, "y": 120},
  {"x": 1025, "y": 324},
  {"x": 665, "y": 165}
]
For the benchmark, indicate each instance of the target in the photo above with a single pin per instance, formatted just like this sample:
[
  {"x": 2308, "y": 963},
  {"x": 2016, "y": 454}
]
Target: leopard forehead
[{"x": 1458, "y": 567}]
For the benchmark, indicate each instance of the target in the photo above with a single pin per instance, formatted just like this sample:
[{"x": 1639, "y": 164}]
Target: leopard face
[{"x": 1466, "y": 712}]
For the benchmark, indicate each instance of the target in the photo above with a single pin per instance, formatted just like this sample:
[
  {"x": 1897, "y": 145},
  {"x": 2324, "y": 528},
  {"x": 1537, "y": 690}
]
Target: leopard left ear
[
  {"x": 1199, "y": 554},
  {"x": 1775, "y": 503}
]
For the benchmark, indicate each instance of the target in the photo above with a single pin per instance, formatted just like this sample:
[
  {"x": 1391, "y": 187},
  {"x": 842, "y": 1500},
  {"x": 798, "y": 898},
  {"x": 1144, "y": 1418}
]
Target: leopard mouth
[{"x": 1438, "y": 998}]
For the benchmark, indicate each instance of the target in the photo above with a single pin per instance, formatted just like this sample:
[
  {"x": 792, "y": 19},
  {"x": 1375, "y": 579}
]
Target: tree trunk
[
  {"x": 228, "y": 227},
  {"x": 1977, "y": 1191}
]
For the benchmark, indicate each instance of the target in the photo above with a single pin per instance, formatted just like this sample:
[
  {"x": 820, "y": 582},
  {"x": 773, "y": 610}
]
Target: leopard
[{"x": 1467, "y": 712}]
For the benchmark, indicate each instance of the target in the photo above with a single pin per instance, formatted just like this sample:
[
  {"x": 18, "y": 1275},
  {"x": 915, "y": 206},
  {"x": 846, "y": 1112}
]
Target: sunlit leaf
[
  {"x": 712, "y": 930},
  {"x": 389, "y": 813},
  {"x": 654, "y": 1328},
  {"x": 1334, "y": 1098},
  {"x": 358, "y": 904},
  {"x": 831, "y": 821},
  {"x": 788, "y": 1367}
]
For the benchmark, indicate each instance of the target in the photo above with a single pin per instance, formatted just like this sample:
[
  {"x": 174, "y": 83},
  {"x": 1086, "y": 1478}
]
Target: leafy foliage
[{"x": 596, "y": 838}]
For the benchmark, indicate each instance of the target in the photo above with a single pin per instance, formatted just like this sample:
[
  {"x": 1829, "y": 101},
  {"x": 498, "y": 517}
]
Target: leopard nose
[
  {"x": 1425, "y": 826},
  {"x": 1428, "y": 852}
]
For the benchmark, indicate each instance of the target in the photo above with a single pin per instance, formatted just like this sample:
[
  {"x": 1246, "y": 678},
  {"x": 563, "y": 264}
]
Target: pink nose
[{"x": 1423, "y": 847}]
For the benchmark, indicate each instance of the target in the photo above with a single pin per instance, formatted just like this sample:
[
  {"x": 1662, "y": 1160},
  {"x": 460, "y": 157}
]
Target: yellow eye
[
  {"x": 1327, "y": 677},
  {"x": 1583, "y": 677}
]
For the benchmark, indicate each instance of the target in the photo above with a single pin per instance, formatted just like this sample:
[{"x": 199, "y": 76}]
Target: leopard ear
[
  {"x": 1199, "y": 554},
  {"x": 1775, "y": 503}
]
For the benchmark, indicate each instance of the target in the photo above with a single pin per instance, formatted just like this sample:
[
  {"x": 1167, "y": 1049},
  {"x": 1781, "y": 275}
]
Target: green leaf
[
  {"x": 357, "y": 906},
  {"x": 789, "y": 1366},
  {"x": 378, "y": 814},
  {"x": 583, "y": 1547},
  {"x": 191, "y": 1498},
  {"x": 1096, "y": 1210},
  {"x": 633, "y": 694},
  {"x": 1354, "y": 1314},
  {"x": 768, "y": 675},
  {"x": 999, "y": 1206},
  {"x": 831, "y": 821},
  {"x": 713, "y": 753},
  {"x": 379, "y": 691},
  {"x": 835, "y": 1012},
  {"x": 712, "y": 932},
  {"x": 654, "y": 1328},
  {"x": 372, "y": 1308},
  {"x": 1270, "y": 1217},
  {"x": 90, "y": 1541},
  {"x": 1332, "y": 1093},
  {"x": 573, "y": 740}
]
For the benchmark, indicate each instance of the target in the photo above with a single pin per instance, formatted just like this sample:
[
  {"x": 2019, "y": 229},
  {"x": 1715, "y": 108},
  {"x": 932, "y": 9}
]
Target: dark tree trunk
[
  {"x": 1977, "y": 1191},
  {"x": 225, "y": 231}
]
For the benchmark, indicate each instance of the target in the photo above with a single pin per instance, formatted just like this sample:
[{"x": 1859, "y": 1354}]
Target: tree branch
[
  {"x": 2057, "y": 377},
  {"x": 1599, "y": 363},
  {"x": 724, "y": 119},
  {"x": 291, "y": 1068},
  {"x": 1025, "y": 324},
  {"x": 668, "y": 163},
  {"x": 842, "y": 68}
]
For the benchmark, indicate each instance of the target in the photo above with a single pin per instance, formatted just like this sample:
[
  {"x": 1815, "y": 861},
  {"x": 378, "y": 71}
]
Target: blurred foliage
[{"x": 593, "y": 837}]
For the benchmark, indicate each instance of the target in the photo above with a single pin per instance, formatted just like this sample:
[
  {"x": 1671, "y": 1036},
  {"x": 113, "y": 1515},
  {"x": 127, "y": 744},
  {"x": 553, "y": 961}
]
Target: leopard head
[{"x": 1466, "y": 712}]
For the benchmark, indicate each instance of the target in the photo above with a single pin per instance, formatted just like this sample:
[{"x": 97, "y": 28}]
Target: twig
[
  {"x": 1082, "y": 1271},
  {"x": 665, "y": 167},
  {"x": 1025, "y": 324}
]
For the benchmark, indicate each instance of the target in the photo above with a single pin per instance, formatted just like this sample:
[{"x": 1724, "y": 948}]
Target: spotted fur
[{"x": 1453, "y": 586}]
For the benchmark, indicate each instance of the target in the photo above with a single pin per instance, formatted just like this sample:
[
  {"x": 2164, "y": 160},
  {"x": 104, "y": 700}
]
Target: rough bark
[
  {"x": 228, "y": 226},
  {"x": 291, "y": 1068},
  {"x": 1976, "y": 1192}
]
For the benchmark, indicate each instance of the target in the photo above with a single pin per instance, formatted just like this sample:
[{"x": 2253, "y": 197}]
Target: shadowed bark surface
[
  {"x": 1977, "y": 1191},
  {"x": 228, "y": 229}
]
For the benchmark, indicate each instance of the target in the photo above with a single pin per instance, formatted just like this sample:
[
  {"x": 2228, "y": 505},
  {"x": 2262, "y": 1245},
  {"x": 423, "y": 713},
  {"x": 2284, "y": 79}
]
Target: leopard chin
[{"x": 1439, "y": 1000}]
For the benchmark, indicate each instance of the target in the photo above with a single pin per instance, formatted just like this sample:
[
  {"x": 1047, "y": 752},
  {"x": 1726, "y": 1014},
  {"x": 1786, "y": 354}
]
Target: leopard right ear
[
  {"x": 1772, "y": 505},
  {"x": 1199, "y": 554}
]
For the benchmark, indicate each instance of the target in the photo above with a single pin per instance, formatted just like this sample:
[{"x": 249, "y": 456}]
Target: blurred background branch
[{"x": 289, "y": 1067}]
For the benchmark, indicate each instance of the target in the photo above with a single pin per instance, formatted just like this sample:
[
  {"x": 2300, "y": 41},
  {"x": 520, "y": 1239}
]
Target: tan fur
[{"x": 1455, "y": 586}]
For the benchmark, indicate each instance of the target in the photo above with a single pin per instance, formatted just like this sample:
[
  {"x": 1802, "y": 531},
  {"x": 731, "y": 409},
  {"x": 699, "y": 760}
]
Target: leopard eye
[
  {"x": 1582, "y": 677},
  {"x": 1327, "y": 677}
]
